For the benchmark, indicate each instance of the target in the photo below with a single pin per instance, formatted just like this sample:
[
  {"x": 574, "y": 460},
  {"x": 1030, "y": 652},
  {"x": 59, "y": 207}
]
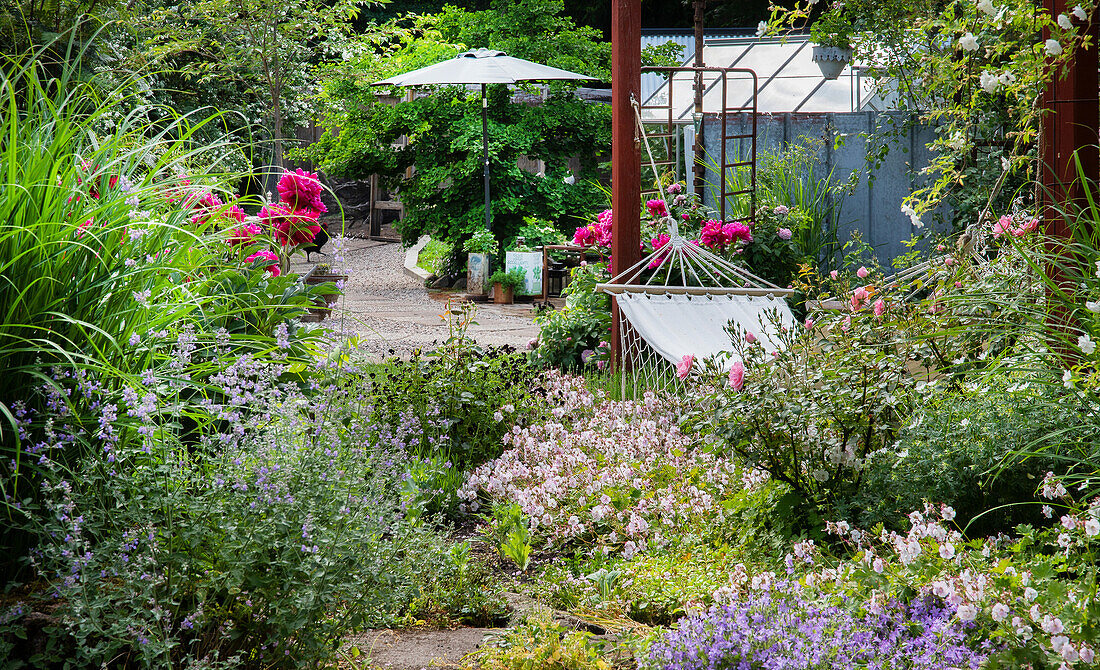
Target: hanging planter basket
[{"x": 831, "y": 60}]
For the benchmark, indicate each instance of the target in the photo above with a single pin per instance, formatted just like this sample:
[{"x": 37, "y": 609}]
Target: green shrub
[
  {"x": 434, "y": 256},
  {"x": 585, "y": 321},
  {"x": 455, "y": 408},
  {"x": 961, "y": 447}
]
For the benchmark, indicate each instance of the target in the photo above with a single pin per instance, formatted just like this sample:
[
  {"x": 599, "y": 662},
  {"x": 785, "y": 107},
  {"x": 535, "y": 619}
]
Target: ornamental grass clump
[{"x": 780, "y": 627}]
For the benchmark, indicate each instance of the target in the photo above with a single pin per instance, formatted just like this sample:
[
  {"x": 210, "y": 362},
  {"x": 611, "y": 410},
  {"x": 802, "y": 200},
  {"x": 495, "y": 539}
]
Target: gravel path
[{"x": 394, "y": 314}]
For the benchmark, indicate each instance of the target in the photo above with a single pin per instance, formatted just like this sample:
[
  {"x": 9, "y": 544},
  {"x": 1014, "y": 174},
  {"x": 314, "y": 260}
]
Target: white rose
[
  {"x": 1007, "y": 78},
  {"x": 1086, "y": 344},
  {"x": 989, "y": 82},
  {"x": 1080, "y": 13},
  {"x": 1092, "y": 306},
  {"x": 1053, "y": 48},
  {"x": 761, "y": 28},
  {"x": 968, "y": 42},
  {"x": 987, "y": 7},
  {"x": 1065, "y": 22}
]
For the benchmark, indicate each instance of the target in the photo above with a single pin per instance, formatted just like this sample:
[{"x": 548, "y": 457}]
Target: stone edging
[{"x": 411, "y": 256}]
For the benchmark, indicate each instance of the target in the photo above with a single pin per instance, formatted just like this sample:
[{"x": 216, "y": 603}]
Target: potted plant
[
  {"x": 505, "y": 284},
  {"x": 479, "y": 248},
  {"x": 322, "y": 275},
  {"x": 832, "y": 35}
]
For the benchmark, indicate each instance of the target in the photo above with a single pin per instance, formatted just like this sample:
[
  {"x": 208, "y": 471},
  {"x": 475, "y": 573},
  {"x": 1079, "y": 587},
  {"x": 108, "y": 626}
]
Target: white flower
[
  {"x": 761, "y": 28},
  {"x": 1067, "y": 379},
  {"x": 1086, "y": 344},
  {"x": 570, "y": 180},
  {"x": 1065, "y": 22},
  {"x": 1093, "y": 306},
  {"x": 1092, "y": 528},
  {"x": 989, "y": 82},
  {"x": 1007, "y": 78},
  {"x": 912, "y": 214},
  {"x": 1000, "y": 611},
  {"x": 877, "y": 565},
  {"x": 1030, "y": 594},
  {"x": 968, "y": 42},
  {"x": 947, "y": 551},
  {"x": 497, "y": 416},
  {"x": 1098, "y": 269},
  {"x": 967, "y": 612},
  {"x": 1053, "y": 48},
  {"x": 1005, "y": 163},
  {"x": 1080, "y": 13},
  {"x": 987, "y": 7}
]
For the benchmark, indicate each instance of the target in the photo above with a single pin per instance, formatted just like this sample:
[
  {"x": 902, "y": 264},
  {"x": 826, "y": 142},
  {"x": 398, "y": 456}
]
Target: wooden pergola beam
[{"x": 626, "y": 161}]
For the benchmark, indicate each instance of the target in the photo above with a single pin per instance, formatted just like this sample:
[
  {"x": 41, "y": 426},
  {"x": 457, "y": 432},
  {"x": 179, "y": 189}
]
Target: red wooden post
[
  {"x": 626, "y": 161},
  {"x": 1070, "y": 124}
]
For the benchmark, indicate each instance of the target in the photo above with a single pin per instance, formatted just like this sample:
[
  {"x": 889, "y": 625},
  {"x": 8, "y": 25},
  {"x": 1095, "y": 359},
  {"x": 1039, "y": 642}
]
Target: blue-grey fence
[{"x": 873, "y": 207}]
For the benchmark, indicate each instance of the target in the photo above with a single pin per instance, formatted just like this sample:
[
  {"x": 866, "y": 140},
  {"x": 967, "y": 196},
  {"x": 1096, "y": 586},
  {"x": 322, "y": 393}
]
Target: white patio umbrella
[{"x": 483, "y": 66}]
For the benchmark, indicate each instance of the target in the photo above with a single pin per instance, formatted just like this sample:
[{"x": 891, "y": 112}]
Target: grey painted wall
[{"x": 874, "y": 207}]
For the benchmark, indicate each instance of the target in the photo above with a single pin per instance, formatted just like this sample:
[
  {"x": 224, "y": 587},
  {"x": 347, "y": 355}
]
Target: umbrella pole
[{"x": 485, "y": 154}]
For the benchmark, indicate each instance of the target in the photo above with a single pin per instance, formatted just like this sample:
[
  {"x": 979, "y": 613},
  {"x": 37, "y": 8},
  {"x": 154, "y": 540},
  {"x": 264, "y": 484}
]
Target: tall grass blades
[{"x": 104, "y": 266}]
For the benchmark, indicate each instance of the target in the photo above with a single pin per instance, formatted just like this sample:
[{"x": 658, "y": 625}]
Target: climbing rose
[
  {"x": 879, "y": 307},
  {"x": 862, "y": 272},
  {"x": 683, "y": 369},
  {"x": 272, "y": 267},
  {"x": 737, "y": 376}
]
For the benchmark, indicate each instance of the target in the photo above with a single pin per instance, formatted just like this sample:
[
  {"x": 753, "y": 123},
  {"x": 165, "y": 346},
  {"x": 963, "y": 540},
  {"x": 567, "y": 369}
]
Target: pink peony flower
[
  {"x": 584, "y": 236},
  {"x": 658, "y": 242},
  {"x": 712, "y": 235},
  {"x": 675, "y": 188},
  {"x": 785, "y": 234},
  {"x": 683, "y": 368},
  {"x": 862, "y": 272},
  {"x": 737, "y": 376},
  {"x": 657, "y": 208},
  {"x": 301, "y": 190},
  {"x": 781, "y": 210},
  {"x": 244, "y": 235},
  {"x": 291, "y": 227},
  {"x": 272, "y": 266}
]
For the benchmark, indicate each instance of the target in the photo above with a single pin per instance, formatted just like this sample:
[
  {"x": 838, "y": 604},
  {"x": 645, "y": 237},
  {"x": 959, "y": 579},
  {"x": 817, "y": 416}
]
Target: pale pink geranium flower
[
  {"x": 862, "y": 272},
  {"x": 683, "y": 369},
  {"x": 737, "y": 376}
]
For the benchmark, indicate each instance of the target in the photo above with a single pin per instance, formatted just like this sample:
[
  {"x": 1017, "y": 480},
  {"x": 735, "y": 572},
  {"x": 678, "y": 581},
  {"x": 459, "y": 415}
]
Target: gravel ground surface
[{"x": 394, "y": 314}]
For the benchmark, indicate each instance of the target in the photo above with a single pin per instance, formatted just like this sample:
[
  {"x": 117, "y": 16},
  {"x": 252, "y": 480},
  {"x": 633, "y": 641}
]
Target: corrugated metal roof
[{"x": 789, "y": 80}]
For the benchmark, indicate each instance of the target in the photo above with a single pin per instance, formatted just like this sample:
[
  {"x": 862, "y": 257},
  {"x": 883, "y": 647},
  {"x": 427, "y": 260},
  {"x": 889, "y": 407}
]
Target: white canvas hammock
[{"x": 682, "y": 300}]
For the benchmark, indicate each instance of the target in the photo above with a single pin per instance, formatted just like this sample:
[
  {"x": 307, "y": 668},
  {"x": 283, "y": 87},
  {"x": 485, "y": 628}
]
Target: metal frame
[{"x": 722, "y": 76}]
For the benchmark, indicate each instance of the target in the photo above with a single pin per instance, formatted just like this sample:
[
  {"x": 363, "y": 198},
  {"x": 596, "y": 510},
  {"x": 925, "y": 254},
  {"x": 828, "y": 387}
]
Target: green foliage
[
  {"x": 536, "y": 233},
  {"x": 433, "y": 257},
  {"x": 540, "y": 644},
  {"x": 481, "y": 242},
  {"x": 456, "y": 591},
  {"x": 508, "y": 529},
  {"x": 833, "y": 27},
  {"x": 582, "y": 324},
  {"x": 512, "y": 279},
  {"x": 448, "y": 406},
  {"x": 960, "y": 447},
  {"x": 444, "y": 196}
]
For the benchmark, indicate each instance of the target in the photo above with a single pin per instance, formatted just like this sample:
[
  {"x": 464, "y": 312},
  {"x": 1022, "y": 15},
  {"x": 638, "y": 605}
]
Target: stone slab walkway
[{"x": 391, "y": 311}]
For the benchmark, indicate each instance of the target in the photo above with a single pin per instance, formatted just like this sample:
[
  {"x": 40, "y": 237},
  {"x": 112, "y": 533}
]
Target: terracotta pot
[
  {"x": 325, "y": 301},
  {"x": 501, "y": 295}
]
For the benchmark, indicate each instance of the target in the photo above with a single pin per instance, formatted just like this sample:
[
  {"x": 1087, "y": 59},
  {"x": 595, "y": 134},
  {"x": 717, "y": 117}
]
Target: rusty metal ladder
[{"x": 730, "y": 167}]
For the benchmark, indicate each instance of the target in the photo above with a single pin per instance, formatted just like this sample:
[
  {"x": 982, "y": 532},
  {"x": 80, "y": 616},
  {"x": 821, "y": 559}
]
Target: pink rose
[
  {"x": 862, "y": 272},
  {"x": 879, "y": 307},
  {"x": 834, "y": 274},
  {"x": 737, "y": 376},
  {"x": 683, "y": 369},
  {"x": 749, "y": 337},
  {"x": 656, "y": 208},
  {"x": 809, "y": 323}
]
